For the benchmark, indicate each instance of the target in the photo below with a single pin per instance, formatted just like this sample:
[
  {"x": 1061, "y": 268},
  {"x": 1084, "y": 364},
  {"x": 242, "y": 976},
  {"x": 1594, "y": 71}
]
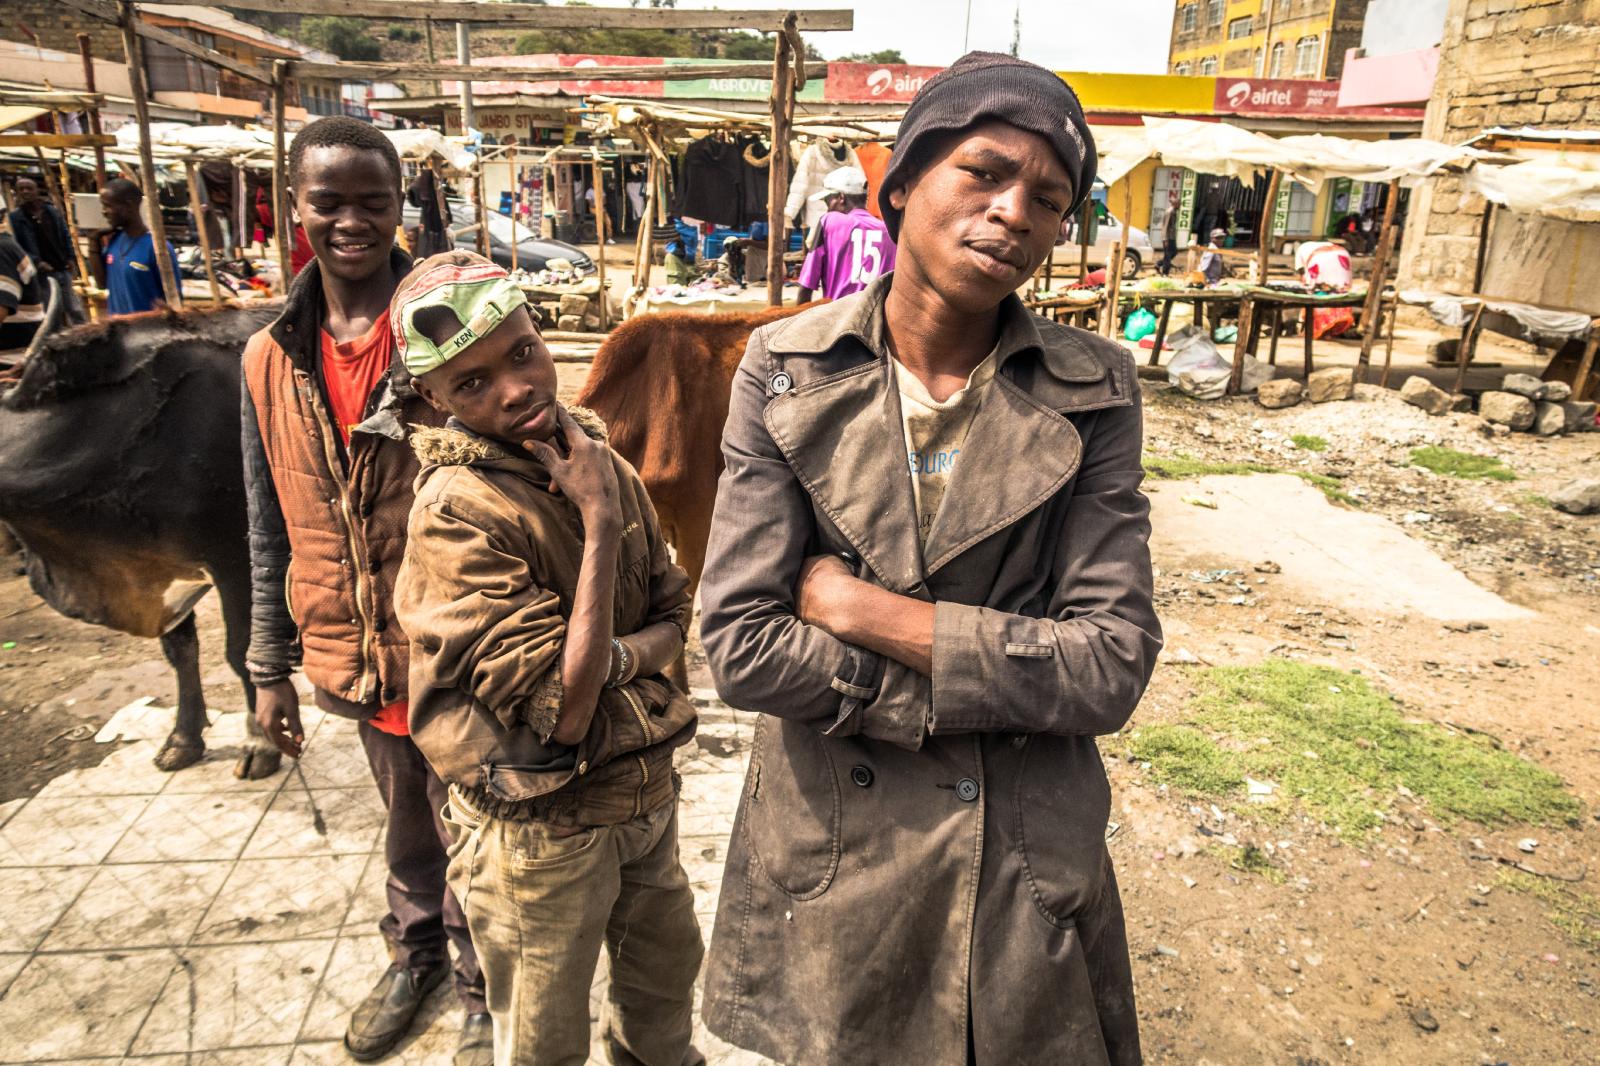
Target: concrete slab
[{"x": 1331, "y": 554}]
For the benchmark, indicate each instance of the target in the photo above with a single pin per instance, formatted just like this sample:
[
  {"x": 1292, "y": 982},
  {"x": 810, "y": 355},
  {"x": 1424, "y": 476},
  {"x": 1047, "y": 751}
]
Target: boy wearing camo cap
[{"x": 542, "y": 607}]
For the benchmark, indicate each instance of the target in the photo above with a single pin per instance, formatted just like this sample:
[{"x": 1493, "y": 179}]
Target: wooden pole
[
  {"x": 1085, "y": 214},
  {"x": 1388, "y": 346},
  {"x": 464, "y": 57},
  {"x": 646, "y": 247},
  {"x": 511, "y": 171},
  {"x": 1114, "y": 269},
  {"x": 484, "y": 247},
  {"x": 1268, "y": 211},
  {"x": 782, "y": 106},
  {"x": 152, "y": 192},
  {"x": 1469, "y": 341},
  {"x": 94, "y": 112},
  {"x": 1372, "y": 313},
  {"x": 1580, "y": 380},
  {"x": 1483, "y": 245},
  {"x": 69, "y": 211},
  {"x": 280, "y": 187},
  {"x": 597, "y": 176},
  {"x": 200, "y": 228}
]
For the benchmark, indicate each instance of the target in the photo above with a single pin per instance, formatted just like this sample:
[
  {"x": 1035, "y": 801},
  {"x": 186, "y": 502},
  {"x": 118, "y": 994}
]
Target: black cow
[{"x": 120, "y": 474}]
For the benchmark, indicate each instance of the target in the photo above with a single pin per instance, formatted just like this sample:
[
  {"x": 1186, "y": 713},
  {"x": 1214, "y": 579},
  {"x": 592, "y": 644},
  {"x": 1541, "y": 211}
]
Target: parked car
[
  {"x": 533, "y": 251},
  {"x": 1140, "y": 251}
]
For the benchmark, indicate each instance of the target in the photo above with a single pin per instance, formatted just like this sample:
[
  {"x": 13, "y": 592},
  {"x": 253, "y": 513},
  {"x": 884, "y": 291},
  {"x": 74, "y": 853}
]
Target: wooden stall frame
[
  {"x": 1372, "y": 314},
  {"x": 134, "y": 51}
]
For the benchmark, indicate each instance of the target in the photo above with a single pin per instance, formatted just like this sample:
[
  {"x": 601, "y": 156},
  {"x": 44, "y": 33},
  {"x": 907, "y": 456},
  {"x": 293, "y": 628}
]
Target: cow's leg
[
  {"x": 186, "y": 744},
  {"x": 259, "y": 758},
  {"x": 688, "y": 540}
]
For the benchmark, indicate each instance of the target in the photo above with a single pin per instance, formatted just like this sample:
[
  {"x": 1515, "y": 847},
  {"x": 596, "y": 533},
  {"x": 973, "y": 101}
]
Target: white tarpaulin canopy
[
  {"x": 1120, "y": 148},
  {"x": 1567, "y": 188},
  {"x": 1219, "y": 148}
]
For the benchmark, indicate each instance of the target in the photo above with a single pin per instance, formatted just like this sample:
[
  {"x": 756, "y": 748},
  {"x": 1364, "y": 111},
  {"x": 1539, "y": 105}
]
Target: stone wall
[
  {"x": 57, "y": 26},
  {"x": 1502, "y": 63}
]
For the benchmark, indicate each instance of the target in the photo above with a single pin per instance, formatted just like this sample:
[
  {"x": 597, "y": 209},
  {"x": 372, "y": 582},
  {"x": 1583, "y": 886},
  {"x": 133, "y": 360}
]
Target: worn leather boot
[
  {"x": 477, "y": 1042},
  {"x": 385, "y": 1015}
]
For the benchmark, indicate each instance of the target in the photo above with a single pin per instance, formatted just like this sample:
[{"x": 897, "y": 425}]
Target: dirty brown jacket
[
  {"x": 490, "y": 571},
  {"x": 918, "y": 863}
]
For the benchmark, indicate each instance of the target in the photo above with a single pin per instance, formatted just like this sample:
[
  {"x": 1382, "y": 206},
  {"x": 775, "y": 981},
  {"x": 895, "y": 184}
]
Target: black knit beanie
[{"x": 982, "y": 86}]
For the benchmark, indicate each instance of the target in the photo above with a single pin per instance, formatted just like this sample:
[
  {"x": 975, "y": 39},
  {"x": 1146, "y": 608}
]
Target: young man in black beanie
[{"x": 929, "y": 573}]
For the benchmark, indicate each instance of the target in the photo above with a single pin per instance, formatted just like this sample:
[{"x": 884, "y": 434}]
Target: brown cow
[{"x": 661, "y": 382}]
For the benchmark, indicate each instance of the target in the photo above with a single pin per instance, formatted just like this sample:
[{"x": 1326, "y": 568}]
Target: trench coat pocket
[
  {"x": 1030, "y": 651},
  {"x": 1061, "y": 804},
  {"x": 792, "y": 807}
]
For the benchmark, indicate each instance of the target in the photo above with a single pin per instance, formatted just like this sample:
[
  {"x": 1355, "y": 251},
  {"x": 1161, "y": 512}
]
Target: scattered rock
[
  {"x": 1461, "y": 403},
  {"x": 1507, "y": 409},
  {"x": 1555, "y": 391},
  {"x": 1527, "y": 844},
  {"x": 574, "y": 304},
  {"x": 1549, "y": 419},
  {"x": 1580, "y": 416},
  {"x": 1169, "y": 952},
  {"x": 1268, "y": 567},
  {"x": 1523, "y": 385},
  {"x": 1424, "y": 1020},
  {"x": 1581, "y": 496},
  {"x": 591, "y": 323},
  {"x": 1280, "y": 392},
  {"x": 570, "y": 323},
  {"x": 1418, "y": 391},
  {"x": 1333, "y": 383}
]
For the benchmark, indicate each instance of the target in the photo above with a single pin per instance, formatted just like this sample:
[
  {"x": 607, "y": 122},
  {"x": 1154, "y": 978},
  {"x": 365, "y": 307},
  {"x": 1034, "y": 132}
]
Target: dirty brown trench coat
[{"x": 912, "y": 854}]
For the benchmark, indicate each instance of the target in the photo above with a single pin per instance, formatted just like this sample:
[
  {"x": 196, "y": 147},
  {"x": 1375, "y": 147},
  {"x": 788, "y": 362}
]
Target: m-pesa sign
[
  {"x": 869, "y": 83},
  {"x": 1293, "y": 96}
]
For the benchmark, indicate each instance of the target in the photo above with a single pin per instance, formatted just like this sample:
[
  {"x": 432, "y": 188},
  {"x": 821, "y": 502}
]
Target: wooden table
[
  {"x": 1259, "y": 304},
  {"x": 1070, "y": 310},
  {"x": 1167, "y": 297}
]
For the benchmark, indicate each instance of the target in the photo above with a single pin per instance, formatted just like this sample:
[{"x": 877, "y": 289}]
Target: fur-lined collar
[{"x": 453, "y": 444}]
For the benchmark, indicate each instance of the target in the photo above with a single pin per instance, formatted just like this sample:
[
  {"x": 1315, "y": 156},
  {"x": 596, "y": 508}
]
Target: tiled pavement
[{"x": 194, "y": 918}]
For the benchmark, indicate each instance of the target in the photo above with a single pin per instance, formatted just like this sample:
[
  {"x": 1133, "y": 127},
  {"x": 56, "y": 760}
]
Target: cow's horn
[{"x": 52, "y": 318}]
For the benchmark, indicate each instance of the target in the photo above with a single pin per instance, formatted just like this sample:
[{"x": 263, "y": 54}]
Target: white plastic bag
[{"x": 1199, "y": 369}]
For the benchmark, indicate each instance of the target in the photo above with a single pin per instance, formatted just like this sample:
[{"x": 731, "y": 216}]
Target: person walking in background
[
  {"x": 1169, "y": 241},
  {"x": 432, "y": 234},
  {"x": 326, "y": 410},
  {"x": 127, "y": 267},
  {"x": 41, "y": 231},
  {"x": 851, "y": 247}
]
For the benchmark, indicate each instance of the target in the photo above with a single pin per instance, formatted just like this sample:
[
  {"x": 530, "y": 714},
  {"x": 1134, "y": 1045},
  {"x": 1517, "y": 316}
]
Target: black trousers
[{"x": 424, "y": 917}]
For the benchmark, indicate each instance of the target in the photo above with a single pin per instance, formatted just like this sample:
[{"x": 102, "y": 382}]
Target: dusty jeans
[{"x": 540, "y": 904}]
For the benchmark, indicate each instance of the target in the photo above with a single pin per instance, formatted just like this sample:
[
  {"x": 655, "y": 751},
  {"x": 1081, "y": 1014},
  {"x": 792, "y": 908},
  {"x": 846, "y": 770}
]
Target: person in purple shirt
[{"x": 850, "y": 248}]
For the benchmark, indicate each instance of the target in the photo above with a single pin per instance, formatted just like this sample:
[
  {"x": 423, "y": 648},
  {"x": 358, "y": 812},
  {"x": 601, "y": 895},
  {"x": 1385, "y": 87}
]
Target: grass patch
[
  {"x": 1461, "y": 464},
  {"x": 1576, "y": 913},
  {"x": 1181, "y": 467},
  {"x": 1310, "y": 442},
  {"x": 1260, "y": 721},
  {"x": 1536, "y": 501}
]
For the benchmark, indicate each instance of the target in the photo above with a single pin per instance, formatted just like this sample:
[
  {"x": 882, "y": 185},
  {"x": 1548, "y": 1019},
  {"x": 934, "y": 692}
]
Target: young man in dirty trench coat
[{"x": 918, "y": 871}]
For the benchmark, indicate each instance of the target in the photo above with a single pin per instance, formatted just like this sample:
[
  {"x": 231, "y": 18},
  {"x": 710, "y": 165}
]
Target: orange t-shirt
[
  {"x": 350, "y": 372},
  {"x": 874, "y": 160}
]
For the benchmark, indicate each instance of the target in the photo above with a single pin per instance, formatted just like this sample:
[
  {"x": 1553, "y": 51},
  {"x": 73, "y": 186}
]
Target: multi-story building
[
  {"x": 175, "y": 80},
  {"x": 1264, "y": 38}
]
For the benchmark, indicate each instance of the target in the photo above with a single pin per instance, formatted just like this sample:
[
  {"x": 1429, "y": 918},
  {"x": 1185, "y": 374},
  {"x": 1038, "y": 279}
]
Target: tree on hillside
[
  {"x": 344, "y": 37},
  {"x": 882, "y": 56}
]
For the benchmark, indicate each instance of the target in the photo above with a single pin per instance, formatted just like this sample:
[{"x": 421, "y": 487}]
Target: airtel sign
[
  {"x": 866, "y": 83},
  {"x": 1293, "y": 96}
]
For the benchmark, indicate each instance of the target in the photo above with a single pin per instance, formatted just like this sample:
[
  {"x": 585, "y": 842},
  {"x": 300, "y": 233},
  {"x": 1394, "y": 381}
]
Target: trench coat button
[
  {"x": 390, "y": 695},
  {"x": 583, "y": 767},
  {"x": 966, "y": 790},
  {"x": 780, "y": 383},
  {"x": 1019, "y": 740},
  {"x": 861, "y": 775},
  {"x": 375, "y": 566},
  {"x": 380, "y": 625}
]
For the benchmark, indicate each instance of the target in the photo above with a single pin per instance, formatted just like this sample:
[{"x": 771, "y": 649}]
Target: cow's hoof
[
  {"x": 257, "y": 763},
  {"x": 179, "y": 751}
]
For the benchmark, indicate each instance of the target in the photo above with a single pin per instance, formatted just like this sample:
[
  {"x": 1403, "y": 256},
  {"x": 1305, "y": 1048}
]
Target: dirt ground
[{"x": 1409, "y": 948}]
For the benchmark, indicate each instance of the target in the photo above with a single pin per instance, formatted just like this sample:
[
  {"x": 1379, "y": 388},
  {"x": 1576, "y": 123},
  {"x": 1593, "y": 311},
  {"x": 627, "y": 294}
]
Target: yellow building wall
[{"x": 1286, "y": 30}]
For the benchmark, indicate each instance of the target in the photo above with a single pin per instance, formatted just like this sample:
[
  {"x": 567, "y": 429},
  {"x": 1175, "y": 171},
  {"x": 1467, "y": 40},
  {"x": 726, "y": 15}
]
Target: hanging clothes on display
[
  {"x": 874, "y": 160},
  {"x": 712, "y": 189},
  {"x": 755, "y": 158},
  {"x": 821, "y": 157}
]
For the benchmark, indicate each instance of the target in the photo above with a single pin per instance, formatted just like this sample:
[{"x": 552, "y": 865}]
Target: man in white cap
[{"x": 850, "y": 248}]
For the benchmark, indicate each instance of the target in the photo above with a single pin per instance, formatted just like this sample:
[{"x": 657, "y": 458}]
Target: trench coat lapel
[
  {"x": 845, "y": 443},
  {"x": 1017, "y": 454}
]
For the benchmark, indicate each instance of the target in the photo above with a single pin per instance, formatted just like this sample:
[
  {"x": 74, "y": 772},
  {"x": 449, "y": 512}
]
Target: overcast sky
[{"x": 1127, "y": 36}]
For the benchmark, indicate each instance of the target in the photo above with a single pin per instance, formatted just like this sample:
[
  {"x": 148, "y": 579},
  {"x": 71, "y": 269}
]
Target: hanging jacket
[
  {"x": 713, "y": 182},
  {"x": 821, "y": 158}
]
